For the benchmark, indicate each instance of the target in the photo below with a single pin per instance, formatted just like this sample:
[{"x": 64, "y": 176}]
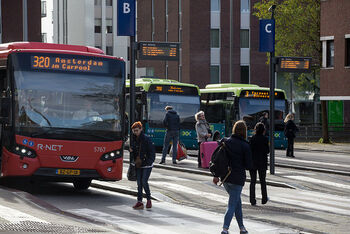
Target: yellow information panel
[
  {"x": 158, "y": 50},
  {"x": 294, "y": 64}
]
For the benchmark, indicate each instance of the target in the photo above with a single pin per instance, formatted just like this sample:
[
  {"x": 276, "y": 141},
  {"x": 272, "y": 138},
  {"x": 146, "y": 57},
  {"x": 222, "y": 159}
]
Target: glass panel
[
  {"x": 245, "y": 5},
  {"x": 347, "y": 52},
  {"x": 214, "y": 38},
  {"x": 244, "y": 38},
  {"x": 251, "y": 110},
  {"x": 185, "y": 106},
  {"x": 215, "y": 5},
  {"x": 330, "y": 53},
  {"x": 245, "y": 74},
  {"x": 214, "y": 74},
  {"x": 69, "y": 101}
]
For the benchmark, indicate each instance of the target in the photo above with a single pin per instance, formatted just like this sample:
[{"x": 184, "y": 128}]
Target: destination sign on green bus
[
  {"x": 260, "y": 94},
  {"x": 173, "y": 89}
]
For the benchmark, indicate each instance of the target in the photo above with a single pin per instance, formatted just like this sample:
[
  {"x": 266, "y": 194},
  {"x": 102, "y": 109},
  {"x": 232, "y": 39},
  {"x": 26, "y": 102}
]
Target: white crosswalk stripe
[{"x": 16, "y": 216}]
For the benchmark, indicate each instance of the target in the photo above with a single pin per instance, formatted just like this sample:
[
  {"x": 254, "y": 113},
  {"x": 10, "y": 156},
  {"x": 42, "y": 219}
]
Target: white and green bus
[
  {"x": 226, "y": 103},
  {"x": 153, "y": 95}
]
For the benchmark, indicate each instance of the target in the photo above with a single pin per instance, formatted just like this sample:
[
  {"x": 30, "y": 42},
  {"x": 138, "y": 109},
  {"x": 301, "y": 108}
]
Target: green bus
[
  {"x": 153, "y": 95},
  {"x": 226, "y": 103}
]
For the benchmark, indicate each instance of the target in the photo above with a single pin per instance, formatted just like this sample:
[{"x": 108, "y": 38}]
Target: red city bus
[{"x": 62, "y": 111}]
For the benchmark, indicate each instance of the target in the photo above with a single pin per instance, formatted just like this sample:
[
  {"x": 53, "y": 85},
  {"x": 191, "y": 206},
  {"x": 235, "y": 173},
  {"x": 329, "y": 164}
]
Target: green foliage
[
  {"x": 297, "y": 26},
  {"x": 297, "y": 32}
]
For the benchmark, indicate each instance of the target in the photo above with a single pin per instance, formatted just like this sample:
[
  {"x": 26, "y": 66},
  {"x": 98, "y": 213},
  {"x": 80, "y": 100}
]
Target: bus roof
[
  {"x": 236, "y": 89},
  {"x": 145, "y": 83},
  {"x": 8, "y": 48}
]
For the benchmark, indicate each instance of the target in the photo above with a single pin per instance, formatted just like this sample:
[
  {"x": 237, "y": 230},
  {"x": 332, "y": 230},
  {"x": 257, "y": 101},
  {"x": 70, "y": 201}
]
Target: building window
[
  {"x": 330, "y": 53},
  {"x": 98, "y": 23},
  {"x": 109, "y": 50},
  {"x": 44, "y": 37},
  {"x": 245, "y": 6},
  {"x": 347, "y": 52},
  {"x": 215, "y": 74},
  {"x": 98, "y": 2},
  {"x": 109, "y": 27},
  {"x": 244, "y": 38},
  {"x": 109, "y": 2},
  {"x": 43, "y": 9},
  {"x": 244, "y": 74},
  {"x": 214, "y": 38},
  {"x": 215, "y": 5}
]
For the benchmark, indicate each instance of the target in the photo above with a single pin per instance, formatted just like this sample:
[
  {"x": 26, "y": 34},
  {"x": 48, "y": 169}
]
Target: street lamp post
[{"x": 272, "y": 101}]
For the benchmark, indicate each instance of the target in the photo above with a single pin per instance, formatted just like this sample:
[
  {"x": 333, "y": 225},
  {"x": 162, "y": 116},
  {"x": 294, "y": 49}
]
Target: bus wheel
[{"x": 82, "y": 184}]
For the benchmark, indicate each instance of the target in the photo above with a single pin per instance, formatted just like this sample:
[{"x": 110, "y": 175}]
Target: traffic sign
[
  {"x": 294, "y": 64},
  {"x": 126, "y": 18},
  {"x": 267, "y": 35}
]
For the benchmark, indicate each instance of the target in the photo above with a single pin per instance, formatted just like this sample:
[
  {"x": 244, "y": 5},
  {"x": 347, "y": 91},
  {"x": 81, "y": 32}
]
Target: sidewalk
[{"x": 314, "y": 146}]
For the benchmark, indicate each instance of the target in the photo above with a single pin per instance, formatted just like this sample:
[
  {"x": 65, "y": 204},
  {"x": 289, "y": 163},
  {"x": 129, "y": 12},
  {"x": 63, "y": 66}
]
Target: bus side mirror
[{"x": 5, "y": 110}]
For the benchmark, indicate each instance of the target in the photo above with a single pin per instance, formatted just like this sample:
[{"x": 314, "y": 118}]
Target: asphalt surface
[{"x": 24, "y": 213}]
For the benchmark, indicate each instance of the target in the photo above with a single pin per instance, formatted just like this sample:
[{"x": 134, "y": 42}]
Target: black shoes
[
  {"x": 264, "y": 200},
  {"x": 162, "y": 162},
  {"x": 174, "y": 162}
]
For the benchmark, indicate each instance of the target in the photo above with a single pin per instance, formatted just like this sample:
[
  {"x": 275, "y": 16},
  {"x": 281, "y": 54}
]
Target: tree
[{"x": 298, "y": 35}]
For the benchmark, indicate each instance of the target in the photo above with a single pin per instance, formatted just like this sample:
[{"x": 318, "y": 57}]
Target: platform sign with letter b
[
  {"x": 267, "y": 35},
  {"x": 126, "y": 18}
]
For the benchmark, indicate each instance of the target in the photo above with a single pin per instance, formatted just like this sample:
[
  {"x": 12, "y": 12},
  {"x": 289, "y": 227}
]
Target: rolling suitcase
[{"x": 206, "y": 150}]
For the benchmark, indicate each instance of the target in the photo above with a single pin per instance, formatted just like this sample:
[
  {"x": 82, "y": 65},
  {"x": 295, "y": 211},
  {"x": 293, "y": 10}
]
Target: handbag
[
  {"x": 181, "y": 152},
  {"x": 131, "y": 174}
]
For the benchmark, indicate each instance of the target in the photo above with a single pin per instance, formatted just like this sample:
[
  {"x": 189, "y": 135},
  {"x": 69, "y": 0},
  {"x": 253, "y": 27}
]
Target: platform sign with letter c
[
  {"x": 267, "y": 35},
  {"x": 126, "y": 17}
]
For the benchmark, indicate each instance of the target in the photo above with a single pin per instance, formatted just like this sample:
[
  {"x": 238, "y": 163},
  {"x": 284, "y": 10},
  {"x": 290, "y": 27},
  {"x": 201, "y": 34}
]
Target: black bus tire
[{"x": 82, "y": 184}]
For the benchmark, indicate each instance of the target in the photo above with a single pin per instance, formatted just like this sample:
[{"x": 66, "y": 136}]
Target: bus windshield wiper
[{"x": 41, "y": 114}]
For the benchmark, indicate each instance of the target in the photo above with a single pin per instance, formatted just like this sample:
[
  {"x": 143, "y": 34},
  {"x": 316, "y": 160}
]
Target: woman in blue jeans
[
  {"x": 142, "y": 147},
  {"x": 240, "y": 160}
]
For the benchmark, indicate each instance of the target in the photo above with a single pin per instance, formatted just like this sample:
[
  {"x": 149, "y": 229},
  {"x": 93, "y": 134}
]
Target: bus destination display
[
  {"x": 55, "y": 63},
  {"x": 294, "y": 64},
  {"x": 173, "y": 89},
  {"x": 260, "y": 94},
  {"x": 159, "y": 51}
]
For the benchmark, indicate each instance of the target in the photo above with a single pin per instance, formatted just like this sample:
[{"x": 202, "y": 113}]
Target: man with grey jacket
[{"x": 172, "y": 123}]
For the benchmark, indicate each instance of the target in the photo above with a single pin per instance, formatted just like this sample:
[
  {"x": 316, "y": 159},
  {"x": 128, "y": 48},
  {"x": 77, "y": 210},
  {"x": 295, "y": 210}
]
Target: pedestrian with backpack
[
  {"x": 259, "y": 145},
  {"x": 240, "y": 157},
  {"x": 172, "y": 124}
]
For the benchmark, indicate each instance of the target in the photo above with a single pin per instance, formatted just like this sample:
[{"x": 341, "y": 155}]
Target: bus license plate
[{"x": 67, "y": 172}]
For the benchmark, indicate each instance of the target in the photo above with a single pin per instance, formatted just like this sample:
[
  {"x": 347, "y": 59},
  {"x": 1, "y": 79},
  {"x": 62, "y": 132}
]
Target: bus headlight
[
  {"x": 24, "y": 151},
  {"x": 111, "y": 155}
]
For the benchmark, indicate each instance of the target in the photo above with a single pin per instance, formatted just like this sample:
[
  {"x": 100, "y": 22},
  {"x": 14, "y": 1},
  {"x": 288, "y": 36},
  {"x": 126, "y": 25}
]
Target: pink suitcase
[{"x": 206, "y": 150}]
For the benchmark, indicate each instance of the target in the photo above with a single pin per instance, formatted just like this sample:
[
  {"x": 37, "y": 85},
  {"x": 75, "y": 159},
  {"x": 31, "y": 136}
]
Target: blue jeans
[
  {"x": 142, "y": 176},
  {"x": 170, "y": 136},
  {"x": 234, "y": 205}
]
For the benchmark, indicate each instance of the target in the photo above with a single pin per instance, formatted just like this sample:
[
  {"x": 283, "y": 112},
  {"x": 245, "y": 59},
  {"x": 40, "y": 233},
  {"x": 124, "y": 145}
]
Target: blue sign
[
  {"x": 267, "y": 35},
  {"x": 126, "y": 18}
]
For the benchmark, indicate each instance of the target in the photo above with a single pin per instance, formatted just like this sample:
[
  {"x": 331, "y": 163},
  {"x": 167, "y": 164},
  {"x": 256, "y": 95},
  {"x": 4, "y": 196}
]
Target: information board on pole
[
  {"x": 158, "y": 51},
  {"x": 294, "y": 64}
]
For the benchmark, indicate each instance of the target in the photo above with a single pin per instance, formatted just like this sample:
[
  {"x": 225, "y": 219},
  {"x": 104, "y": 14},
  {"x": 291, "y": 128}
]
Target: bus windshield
[
  {"x": 251, "y": 109},
  {"x": 69, "y": 101},
  {"x": 185, "y": 106}
]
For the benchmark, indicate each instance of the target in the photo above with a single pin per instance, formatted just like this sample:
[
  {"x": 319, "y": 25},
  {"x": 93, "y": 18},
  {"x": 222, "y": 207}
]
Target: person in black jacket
[
  {"x": 259, "y": 145},
  {"x": 290, "y": 129},
  {"x": 144, "y": 148},
  {"x": 240, "y": 160},
  {"x": 172, "y": 123},
  {"x": 265, "y": 120}
]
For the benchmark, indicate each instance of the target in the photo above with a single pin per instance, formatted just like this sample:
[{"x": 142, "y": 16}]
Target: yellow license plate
[{"x": 67, "y": 172}]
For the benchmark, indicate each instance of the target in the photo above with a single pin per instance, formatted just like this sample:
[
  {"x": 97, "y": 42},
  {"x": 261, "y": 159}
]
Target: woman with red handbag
[{"x": 143, "y": 154}]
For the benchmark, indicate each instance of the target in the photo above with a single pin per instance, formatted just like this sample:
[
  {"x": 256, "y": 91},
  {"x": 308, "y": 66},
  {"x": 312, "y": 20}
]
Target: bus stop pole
[
  {"x": 272, "y": 103},
  {"x": 133, "y": 47}
]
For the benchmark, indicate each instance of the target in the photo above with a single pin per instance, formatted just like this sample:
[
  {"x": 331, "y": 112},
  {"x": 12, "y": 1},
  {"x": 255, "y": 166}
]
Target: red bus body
[{"x": 59, "y": 159}]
